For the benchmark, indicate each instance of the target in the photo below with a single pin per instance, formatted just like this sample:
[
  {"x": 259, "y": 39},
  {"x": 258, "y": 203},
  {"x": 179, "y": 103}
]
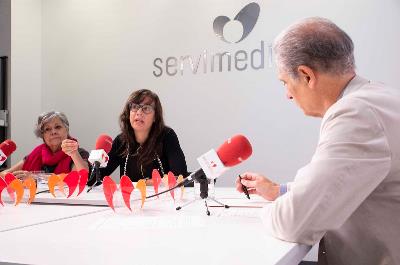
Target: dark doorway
[{"x": 3, "y": 100}]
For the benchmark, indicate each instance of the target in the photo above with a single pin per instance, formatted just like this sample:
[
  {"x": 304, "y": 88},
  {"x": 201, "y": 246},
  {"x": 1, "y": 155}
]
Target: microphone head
[
  {"x": 8, "y": 147},
  {"x": 104, "y": 142},
  {"x": 234, "y": 150}
]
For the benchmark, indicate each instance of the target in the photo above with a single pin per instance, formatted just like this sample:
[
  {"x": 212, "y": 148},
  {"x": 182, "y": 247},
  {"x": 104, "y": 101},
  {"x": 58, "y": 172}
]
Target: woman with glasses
[
  {"x": 145, "y": 143},
  {"x": 59, "y": 152}
]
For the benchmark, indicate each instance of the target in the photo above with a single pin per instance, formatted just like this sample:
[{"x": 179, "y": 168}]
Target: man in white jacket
[{"x": 349, "y": 193}]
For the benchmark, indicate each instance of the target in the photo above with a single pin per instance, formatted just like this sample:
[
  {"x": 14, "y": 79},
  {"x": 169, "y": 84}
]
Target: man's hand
[{"x": 258, "y": 184}]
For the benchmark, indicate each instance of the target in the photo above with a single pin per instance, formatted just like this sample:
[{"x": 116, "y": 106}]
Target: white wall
[
  {"x": 26, "y": 73},
  {"x": 94, "y": 53}
]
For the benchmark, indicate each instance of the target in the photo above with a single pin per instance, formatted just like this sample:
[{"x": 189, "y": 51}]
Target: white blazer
[{"x": 350, "y": 190}]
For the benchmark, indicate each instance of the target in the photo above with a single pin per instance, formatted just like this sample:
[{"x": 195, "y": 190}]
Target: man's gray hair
[
  {"x": 45, "y": 117},
  {"x": 317, "y": 43}
]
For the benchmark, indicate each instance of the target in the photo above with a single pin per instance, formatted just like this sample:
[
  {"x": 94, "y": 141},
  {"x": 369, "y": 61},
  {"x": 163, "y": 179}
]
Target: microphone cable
[{"x": 185, "y": 182}]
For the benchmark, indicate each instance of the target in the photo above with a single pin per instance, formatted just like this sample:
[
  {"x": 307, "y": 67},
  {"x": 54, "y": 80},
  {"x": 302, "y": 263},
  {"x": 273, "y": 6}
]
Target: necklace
[{"x": 141, "y": 166}]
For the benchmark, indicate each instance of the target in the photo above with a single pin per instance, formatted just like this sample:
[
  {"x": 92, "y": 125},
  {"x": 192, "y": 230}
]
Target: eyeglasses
[{"x": 147, "y": 109}]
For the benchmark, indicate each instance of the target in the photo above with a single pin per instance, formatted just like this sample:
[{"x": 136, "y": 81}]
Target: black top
[{"x": 172, "y": 159}]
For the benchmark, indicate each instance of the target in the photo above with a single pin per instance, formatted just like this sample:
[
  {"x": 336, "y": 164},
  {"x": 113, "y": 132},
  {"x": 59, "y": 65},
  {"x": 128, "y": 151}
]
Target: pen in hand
[{"x": 244, "y": 189}]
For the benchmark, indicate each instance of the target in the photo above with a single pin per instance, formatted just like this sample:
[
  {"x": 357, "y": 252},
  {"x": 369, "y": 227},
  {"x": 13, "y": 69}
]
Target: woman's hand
[{"x": 70, "y": 147}]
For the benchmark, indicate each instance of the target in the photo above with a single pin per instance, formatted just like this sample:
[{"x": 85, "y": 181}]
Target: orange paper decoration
[
  {"x": 171, "y": 183},
  {"x": 52, "y": 182},
  {"x": 126, "y": 186},
  {"x": 141, "y": 186},
  {"x": 3, "y": 185},
  {"x": 71, "y": 180},
  {"x": 16, "y": 185},
  {"x": 31, "y": 185},
  {"x": 109, "y": 188},
  {"x": 179, "y": 180},
  {"x": 165, "y": 181},
  {"x": 9, "y": 177},
  {"x": 83, "y": 173},
  {"x": 155, "y": 176},
  {"x": 60, "y": 184}
]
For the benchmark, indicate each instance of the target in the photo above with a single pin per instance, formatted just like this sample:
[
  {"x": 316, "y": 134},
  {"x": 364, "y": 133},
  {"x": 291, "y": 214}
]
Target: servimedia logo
[
  {"x": 247, "y": 17},
  {"x": 205, "y": 61}
]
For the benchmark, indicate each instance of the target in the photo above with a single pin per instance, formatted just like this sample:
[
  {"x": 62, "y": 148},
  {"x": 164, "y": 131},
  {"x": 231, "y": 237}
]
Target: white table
[
  {"x": 157, "y": 234},
  {"x": 23, "y": 215}
]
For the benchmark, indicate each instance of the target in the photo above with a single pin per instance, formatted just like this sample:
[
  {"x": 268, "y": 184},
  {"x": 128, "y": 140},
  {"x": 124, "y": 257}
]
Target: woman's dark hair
[{"x": 152, "y": 145}]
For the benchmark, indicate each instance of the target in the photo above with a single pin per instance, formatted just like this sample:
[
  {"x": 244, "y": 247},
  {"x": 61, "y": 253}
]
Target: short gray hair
[
  {"x": 45, "y": 117},
  {"x": 317, "y": 43}
]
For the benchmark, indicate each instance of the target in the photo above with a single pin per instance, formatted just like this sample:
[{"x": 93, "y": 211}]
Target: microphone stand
[
  {"x": 203, "y": 180},
  {"x": 96, "y": 172}
]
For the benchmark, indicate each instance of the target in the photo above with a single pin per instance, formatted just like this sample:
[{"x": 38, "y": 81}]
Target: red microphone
[
  {"x": 234, "y": 150},
  {"x": 6, "y": 149},
  {"x": 104, "y": 142},
  {"x": 99, "y": 156},
  {"x": 214, "y": 163}
]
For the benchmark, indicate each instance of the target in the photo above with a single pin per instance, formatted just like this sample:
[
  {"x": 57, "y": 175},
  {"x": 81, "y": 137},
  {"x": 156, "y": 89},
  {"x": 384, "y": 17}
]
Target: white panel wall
[
  {"x": 96, "y": 52},
  {"x": 26, "y": 74}
]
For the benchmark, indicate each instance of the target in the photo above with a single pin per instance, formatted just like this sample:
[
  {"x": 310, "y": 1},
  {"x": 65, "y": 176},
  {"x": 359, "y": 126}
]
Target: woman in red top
[{"x": 59, "y": 153}]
